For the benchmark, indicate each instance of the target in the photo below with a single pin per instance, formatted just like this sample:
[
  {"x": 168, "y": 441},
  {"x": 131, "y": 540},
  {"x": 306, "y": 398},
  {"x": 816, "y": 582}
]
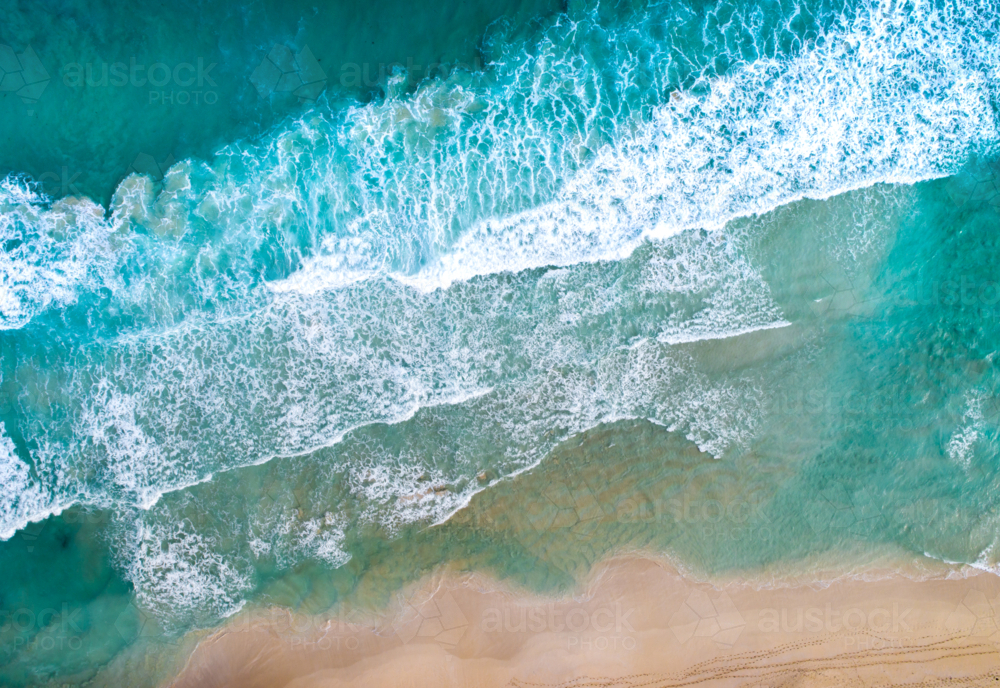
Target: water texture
[{"x": 713, "y": 279}]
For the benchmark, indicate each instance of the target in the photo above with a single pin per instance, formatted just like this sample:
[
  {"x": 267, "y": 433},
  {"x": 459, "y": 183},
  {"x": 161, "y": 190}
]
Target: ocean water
[{"x": 512, "y": 287}]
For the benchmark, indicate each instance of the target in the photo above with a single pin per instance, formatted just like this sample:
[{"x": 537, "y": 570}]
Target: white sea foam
[
  {"x": 528, "y": 166},
  {"x": 445, "y": 190},
  {"x": 901, "y": 94},
  {"x": 533, "y": 360},
  {"x": 47, "y": 253},
  {"x": 178, "y": 572},
  {"x": 22, "y": 498},
  {"x": 963, "y": 440}
]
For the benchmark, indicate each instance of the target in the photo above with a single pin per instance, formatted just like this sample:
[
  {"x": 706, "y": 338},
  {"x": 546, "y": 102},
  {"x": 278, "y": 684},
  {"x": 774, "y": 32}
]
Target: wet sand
[{"x": 638, "y": 621}]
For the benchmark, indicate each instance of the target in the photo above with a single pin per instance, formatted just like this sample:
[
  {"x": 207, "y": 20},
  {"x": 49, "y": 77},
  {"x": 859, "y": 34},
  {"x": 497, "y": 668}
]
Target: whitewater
[{"x": 524, "y": 251}]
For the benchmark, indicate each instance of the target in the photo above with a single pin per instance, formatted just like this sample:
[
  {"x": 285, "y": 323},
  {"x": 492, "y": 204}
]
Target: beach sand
[{"x": 637, "y": 621}]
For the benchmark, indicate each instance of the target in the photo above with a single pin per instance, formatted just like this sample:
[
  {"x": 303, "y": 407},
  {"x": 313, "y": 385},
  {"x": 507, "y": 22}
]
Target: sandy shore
[{"x": 638, "y": 622}]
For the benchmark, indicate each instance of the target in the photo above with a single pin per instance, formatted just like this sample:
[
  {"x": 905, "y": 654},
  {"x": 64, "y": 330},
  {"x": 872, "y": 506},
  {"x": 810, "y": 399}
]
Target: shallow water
[{"x": 714, "y": 281}]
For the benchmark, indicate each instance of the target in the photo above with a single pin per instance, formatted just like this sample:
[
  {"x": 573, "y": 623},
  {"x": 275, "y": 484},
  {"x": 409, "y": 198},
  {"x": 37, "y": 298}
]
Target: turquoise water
[{"x": 716, "y": 280}]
